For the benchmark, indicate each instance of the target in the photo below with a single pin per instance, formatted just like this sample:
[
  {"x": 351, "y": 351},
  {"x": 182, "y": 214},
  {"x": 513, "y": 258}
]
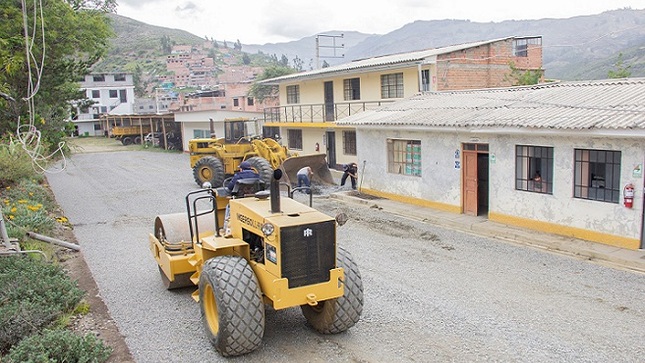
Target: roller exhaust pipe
[{"x": 275, "y": 191}]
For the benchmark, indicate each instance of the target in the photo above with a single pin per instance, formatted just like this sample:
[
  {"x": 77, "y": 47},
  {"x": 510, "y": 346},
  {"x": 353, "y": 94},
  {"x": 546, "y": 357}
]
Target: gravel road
[{"x": 431, "y": 295}]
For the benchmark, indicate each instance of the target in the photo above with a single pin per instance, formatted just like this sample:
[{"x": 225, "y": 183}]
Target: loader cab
[{"x": 241, "y": 130}]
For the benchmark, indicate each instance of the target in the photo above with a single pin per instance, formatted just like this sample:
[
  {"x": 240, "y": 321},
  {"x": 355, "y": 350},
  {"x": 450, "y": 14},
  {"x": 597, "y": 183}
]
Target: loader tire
[
  {"x": 337, "y": 315},
  {"x": 263, "y": 167},
  {"x": 209, "y": 169},
  {"x": 231, "y": 305}
]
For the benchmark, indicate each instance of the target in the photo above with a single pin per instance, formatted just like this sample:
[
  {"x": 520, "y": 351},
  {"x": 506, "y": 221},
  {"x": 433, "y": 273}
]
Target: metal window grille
[
  {"x": 392, "y": 85},
  {"x": 534, "y": 168},
  {"x": 597, "y": 175}
]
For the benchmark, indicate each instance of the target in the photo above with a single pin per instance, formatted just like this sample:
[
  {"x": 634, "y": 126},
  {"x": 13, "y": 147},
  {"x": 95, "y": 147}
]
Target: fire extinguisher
[{"x": 628, "y": 195}]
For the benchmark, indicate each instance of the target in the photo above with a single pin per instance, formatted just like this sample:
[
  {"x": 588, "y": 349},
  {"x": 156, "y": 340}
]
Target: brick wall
[{"x": 487, "y": 66}]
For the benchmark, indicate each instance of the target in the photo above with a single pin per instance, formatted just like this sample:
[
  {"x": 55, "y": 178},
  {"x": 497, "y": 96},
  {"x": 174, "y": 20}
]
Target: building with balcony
[{"x": 311, "y": 102}]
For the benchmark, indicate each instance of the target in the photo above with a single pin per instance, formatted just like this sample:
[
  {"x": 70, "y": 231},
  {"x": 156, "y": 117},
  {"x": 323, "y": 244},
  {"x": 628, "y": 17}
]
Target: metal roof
[
  {"x": 368, "y": 64},
  {"x": 613, "y": 104}
]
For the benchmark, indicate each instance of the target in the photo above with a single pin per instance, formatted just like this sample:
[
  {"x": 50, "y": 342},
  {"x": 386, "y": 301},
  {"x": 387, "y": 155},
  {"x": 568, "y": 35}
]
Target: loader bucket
[{"x": 318, "y": 164}]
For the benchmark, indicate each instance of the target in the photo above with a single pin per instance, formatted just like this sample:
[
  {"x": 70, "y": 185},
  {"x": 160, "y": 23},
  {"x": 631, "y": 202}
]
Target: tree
[
  {"x": 167, "y": 44},
  {"x": 76, "y": 35},
  {"x": 246, "y": 59},
  {"x": 520, "y": 77},
  {"x": 620, "y": 70},
  {"x": 284, "y": 61},
  {"x": 237, "y": 46},
  {"x": 297, "y": 64},
  {"x": 261, "y": 91}
]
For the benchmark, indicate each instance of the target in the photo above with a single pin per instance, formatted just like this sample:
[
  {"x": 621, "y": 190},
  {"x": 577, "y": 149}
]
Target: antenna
[{"x": 333, "y": 46}]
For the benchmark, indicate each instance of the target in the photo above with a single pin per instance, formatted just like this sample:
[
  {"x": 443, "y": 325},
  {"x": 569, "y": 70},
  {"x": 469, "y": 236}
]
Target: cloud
[{"x": 188, "y": 9}]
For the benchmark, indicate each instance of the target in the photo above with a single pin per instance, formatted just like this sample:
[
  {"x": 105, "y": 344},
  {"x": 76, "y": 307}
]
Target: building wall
[
  {"x": 440, "y": 184},
  {"x": 485, "y": 66},
  {"x": 312, "y": 92}
]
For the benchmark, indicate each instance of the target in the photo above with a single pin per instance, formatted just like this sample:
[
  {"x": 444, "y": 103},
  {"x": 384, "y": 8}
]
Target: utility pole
[{"x": 333, "y": 46}]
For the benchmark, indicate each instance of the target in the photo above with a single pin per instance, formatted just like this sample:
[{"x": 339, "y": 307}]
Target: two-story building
[
  {"x": 311, "y": 102},
  {"x": 109, "y": 94}
]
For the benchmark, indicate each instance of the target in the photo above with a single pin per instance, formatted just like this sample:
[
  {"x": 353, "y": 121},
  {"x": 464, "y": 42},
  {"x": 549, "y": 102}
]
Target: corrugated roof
[
  {"x": 376, "y": 62},
  {"x": 614, "y": 104}
]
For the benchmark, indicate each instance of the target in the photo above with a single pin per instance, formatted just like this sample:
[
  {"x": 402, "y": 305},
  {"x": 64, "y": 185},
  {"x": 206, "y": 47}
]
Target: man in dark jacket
[
  {"x": 350, "y": 170},
  {"x": 245, "y": 172}
]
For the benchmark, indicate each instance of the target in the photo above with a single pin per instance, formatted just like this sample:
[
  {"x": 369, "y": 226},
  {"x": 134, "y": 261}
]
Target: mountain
[{"x": 577, "y": 48}]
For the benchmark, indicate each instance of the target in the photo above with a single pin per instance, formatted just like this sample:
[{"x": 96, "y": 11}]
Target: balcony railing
[{"x": 318, "y": 112}]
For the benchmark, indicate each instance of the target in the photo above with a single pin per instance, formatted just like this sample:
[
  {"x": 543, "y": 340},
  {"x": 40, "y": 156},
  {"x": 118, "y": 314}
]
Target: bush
[
  {"x": 60, "y": 346},
  {"x": 26, "y": 205},
  {"x": 34, "y": 294},
  {"x": 15, "y": 163}
]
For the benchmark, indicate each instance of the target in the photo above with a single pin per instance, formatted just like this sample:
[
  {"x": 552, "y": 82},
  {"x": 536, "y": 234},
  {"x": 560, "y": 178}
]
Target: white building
[
  {"x": 558, "y": 157},
  {"x": 110, "y": 93}
]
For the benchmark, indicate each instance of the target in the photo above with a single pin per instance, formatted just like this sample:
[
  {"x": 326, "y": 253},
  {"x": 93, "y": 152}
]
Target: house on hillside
[
  {"x": 312, "y": 102},
  {"x": 109, "y": 94},
  {"x": 555, "y": 157}
]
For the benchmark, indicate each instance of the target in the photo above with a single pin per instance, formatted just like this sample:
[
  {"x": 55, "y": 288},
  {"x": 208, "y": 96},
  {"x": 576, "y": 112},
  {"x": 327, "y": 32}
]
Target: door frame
[{"x": 473, "y": 149}]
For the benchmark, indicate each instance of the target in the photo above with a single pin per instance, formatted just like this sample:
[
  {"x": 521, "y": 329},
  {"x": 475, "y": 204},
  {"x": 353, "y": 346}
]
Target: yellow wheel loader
[
  {"x": 214, "y": 159},
  {"x": 279, "y": 253}
]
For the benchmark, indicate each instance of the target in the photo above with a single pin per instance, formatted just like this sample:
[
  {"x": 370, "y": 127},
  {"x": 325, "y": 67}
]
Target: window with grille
[
  {"x": 392, "y": 85},
  {"x": 404, "y": 157},
  {"x": 293, "y": 94},
  {"x": 352, "y": 89},
  {"x": 294, "y": 139},
  {"x": 597, "y": 175},
  {"x": 349, "y": 142},
  {"x": 520, "y": 48},
  {"x": 534, "y": 168}
]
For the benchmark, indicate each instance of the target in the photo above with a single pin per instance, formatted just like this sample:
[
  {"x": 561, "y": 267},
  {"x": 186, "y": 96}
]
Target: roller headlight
[{"x": 268, "y": 229}]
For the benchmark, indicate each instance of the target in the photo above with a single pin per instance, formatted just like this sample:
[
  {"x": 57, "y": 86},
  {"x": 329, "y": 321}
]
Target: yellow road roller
[{"x": 276, "y": 251}]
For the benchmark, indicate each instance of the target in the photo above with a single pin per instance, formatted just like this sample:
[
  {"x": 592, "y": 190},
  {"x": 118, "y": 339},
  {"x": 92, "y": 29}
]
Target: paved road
[{"x": 431, "y": 295}]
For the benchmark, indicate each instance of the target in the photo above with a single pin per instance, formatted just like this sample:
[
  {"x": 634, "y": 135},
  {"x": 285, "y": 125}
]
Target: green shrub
[
  {"x": 34, "y": 294},
  {"x": 15, "y": 163},
  {"x": 52, "y": 346},
  {"x": 26, "y": 206}
]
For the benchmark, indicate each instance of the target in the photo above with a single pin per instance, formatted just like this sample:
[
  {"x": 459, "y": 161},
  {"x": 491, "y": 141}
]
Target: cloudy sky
[{"x": 272, "y": 21}]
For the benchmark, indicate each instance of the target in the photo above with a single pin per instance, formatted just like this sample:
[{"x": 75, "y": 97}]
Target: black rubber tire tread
[
  {"x": 137, "y": 140},
  {"x": 263, "y": 167},
  {"x": 216, "y": 168},
  {"x": 240, "y": 309},
  {"x": 126, "y": 141},
  {"x": 337, "y": 315}
]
